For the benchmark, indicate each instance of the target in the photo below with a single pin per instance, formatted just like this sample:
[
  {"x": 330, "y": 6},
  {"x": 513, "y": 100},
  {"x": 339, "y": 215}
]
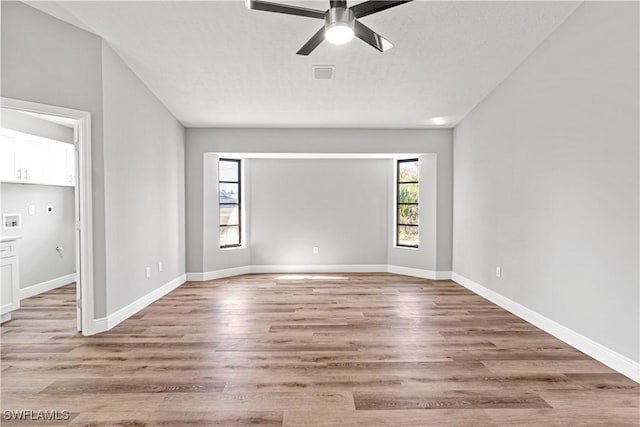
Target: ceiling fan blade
[
  {"x": 313, "y": 43},
  {"x": 372, "y": 38},
  {"x": 370, "y": 7},
  {"x": 284, "y": 8}
]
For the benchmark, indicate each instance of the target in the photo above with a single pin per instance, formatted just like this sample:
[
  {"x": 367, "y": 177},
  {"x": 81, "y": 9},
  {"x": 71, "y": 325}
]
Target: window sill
[
  {"x": 233, "y": 248},
  {"x": 406, "y": 247}
]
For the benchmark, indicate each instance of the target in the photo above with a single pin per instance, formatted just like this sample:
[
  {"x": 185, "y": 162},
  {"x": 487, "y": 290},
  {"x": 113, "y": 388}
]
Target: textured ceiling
[{"x": 219, "y": 64}]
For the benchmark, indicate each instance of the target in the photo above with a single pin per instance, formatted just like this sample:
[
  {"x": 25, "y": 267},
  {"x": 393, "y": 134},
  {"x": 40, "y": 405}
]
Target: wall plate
[{"x": 12, "y": 221}]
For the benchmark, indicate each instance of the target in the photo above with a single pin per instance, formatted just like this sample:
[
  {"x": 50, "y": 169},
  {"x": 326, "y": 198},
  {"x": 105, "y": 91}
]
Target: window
[
  {"x": 230, "y": 207},
  {"x": 407, "y": 208}
]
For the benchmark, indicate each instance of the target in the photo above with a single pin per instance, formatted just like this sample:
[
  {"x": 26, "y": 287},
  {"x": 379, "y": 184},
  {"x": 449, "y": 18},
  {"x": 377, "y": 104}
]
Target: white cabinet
[
  {"x": 8, "y": 169},
  {"x": 61, "y": 164},
  {"x": 9, "y": 278},
  {"x": 34, "y": 160},
  {"x": 57, "y": 163},
  {"x": 71, "y": 164}
]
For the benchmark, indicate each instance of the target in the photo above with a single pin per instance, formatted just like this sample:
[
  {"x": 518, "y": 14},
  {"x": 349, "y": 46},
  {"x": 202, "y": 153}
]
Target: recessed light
[{"x": 438, "y": 121}]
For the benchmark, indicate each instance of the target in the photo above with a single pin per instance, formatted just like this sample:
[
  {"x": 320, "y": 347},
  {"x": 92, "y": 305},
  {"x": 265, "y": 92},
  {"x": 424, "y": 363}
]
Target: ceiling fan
[{"x": 340, "y": 22}]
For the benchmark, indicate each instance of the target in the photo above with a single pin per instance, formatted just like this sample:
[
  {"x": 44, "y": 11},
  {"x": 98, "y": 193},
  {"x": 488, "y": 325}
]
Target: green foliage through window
[{"x": 407, "y": 203}]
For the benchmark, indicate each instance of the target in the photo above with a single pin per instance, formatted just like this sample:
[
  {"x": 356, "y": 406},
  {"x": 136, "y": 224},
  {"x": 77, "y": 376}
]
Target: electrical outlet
[
  {"x": 316, "y": 250},
  {"x": 159, "y": 267},
  {"x": 147, "y": 272},
  {"x": 498, "y": 272}
]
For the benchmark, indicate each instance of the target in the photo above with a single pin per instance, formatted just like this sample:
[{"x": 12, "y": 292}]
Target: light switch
[
  {"x": 32, "y": 209},
  {"x": 316, "y": 250},
  {"x": 147, "y": 272}
]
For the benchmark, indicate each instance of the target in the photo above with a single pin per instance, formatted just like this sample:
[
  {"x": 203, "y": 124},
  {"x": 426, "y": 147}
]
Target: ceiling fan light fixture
[
  {"x": 341, "y": 23},
  {"x": 339, "y": 34},
  {"x": 338, "y": 25}
]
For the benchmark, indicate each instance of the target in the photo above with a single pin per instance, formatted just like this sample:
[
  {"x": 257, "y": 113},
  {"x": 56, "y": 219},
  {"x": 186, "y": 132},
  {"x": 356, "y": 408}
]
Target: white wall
[
  {"x": 48, "y": 61},
  {"x": 137, "y": 159},
  {"x": 31, "y": 125},
  {"x": 338, "y": 205},
  {"x": 144, "y": 186},
  {"x": 42, "y": 232},
  {"x": 546, "y": 180},
  {"x": 280, "y": 141}
]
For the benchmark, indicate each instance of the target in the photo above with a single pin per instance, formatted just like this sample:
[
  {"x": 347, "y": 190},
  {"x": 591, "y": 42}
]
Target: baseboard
[
  {"x": 612, "y": 359},
  {"x": 96, "y": 326},
  {"x": 131, "y": 309},
  {"x": 218, "y": 274},
  {"x": 339, "y": 268},
  {"x": 347, "y": 268},
  {"x": 39, "y": 288},
  {"x": 418, "y": 272}
]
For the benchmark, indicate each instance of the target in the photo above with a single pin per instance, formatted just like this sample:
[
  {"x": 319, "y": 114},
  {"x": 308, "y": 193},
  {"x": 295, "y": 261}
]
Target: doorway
[{"x": 59, "y": 164}]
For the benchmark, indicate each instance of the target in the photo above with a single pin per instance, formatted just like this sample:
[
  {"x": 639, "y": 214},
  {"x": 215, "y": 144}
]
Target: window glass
[
  {"x": 407, "y": 203},
  {"x": 230, "y": 202}
]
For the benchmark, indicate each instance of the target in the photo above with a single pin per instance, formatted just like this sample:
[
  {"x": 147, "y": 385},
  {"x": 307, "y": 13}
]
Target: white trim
[
  {"x": 411, "y": 248},
  {"x": 83, "y": 199},
  {"x": 347, "y": 268},
  {"x": 131, "y": 309},
  {"x": 418, "y": 272},
  {"x": 5, "y": 317},
  {"x": 41, "y": 287},
  {"x": 98, "y": 325},
  {"x": 355, "y": 156},
  {"x": 353, "y": 268},
  {"x": 612, "y": 359},
  {"x": 218, "y": 274}
]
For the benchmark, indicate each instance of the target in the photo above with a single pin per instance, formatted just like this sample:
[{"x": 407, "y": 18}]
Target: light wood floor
[{"x": 353, "y": 349}]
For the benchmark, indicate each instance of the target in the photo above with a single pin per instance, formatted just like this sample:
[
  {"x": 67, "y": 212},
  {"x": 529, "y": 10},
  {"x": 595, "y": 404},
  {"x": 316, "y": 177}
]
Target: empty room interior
[{"x": 320, "y": 213}]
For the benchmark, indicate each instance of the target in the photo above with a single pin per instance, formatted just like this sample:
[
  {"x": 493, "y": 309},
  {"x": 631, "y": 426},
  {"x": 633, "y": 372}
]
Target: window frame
[
  {"x": 399, "y": 203},
  {"x": 239, "y": 204}
]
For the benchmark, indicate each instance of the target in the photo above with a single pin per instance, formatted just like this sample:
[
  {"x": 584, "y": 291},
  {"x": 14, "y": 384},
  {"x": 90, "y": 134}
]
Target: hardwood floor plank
[
  {"x": 130, "y": 385},
  {"x": 389, "y": 418},
  {"x": 608, "y": 398},
  {"x": 447, "y": 400},
  {"x": 182, "y": 419},
  {"x": 561, "y": 417},
  {"x": 588, "y": 366}
]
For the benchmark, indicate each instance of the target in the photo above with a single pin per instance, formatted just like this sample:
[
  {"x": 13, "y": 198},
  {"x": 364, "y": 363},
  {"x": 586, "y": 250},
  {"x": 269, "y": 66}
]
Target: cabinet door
[
  {"x": 58, "y": 163},
  {"x": 9, "y": 293},
  {"x": 8, "y": 169},
  {"x": 71, "y": 164},
  {"x": 33, "y": 159}
]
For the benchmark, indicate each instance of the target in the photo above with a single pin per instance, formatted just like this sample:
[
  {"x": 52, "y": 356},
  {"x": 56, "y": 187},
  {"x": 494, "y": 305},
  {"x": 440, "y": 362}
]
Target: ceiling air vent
[{"x": 323, "y": 72}]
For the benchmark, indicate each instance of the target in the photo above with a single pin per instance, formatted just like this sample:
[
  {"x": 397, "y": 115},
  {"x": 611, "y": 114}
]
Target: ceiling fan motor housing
[{"x": 339, "y": 16}]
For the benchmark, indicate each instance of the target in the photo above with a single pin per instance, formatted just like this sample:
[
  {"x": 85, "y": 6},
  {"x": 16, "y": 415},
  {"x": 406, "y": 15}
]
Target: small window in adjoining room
[
  {"x": 407, "y": 208},
  {"x": 230, "y": 203}
]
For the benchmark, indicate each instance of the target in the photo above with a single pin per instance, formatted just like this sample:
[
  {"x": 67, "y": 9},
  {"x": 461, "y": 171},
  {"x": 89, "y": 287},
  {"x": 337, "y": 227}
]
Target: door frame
[{"x": 83, "y": 201}]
